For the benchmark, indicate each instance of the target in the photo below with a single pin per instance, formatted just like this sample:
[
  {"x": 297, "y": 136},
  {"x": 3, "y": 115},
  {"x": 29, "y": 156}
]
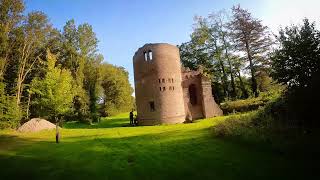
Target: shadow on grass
[
  {"x": 104, "y": 123},
  {"x": 171, "y": 155}
]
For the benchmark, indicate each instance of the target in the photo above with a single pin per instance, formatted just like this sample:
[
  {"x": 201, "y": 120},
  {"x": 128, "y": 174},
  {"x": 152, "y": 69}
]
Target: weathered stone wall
[
  {"x": 209, "y": 107},
  {"x": 194, "y": 111},
  {"x": 205, "y": 106},
  {"x": 158, "y": 80}
]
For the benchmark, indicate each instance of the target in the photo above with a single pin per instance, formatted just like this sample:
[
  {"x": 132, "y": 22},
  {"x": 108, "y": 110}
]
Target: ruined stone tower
[
  {"x": 166, "y": 92},
  {"x": 157, "y": 76}
]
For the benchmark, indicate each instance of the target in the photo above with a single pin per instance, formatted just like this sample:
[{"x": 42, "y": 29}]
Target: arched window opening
[
  {"x": 150, "y": 55},
  {"x": 160, "y": 88},
  {"x": 193, "y": 94},
  {"x": 159, "y": 80},
  {"x": 145, "y": 56},
  {"x": 164, "y": 88},
  {"x": 163, "y": 80}
]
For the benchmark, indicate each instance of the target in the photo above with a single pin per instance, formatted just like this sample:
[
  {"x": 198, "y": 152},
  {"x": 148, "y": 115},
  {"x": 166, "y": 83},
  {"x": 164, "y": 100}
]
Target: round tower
[{"x": 158, "y": 90}]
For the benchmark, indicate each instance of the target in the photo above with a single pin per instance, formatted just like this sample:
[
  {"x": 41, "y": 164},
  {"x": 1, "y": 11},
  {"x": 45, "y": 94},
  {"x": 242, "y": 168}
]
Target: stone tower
[{"x": 158, "y": 90}]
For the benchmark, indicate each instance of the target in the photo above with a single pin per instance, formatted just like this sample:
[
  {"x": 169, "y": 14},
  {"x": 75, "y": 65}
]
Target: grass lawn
[{"x": 112, "y": 150}]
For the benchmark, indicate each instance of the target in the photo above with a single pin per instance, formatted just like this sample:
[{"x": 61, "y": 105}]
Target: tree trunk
[
  {"x": 252, "y": 69},
  {"x": 224, "y": 75},
  {"x": 233, "y": 86},
  {"x": 19, "y": 91},
  {"x": 28, "y": 106},
  {"x": 243, "y": 89},
  {"x": 233, "y": 91},
  {"x": 224, "y": 79}
]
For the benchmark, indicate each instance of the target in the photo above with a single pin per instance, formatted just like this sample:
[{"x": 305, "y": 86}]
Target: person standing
[{"x": 131, "y": 117}]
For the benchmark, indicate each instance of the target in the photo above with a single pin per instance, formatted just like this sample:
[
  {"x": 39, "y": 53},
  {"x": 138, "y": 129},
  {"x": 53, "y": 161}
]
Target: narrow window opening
[
  {"x": 159, "y": 81},
  {"x": 169, "y": 87},
  {"x": 160, "y": 88},
  {"x": 145, "y": 56},
  {"x": 163, "y": 80},
  {"x": 164, "y": 88},
  {"x": 150, "y": 55},
  {"x": 172, "y": 80},
  {"x": 172, "y": 87},
  {"x": 169, "y": 80},
  {"x": 152, "y": 107}
]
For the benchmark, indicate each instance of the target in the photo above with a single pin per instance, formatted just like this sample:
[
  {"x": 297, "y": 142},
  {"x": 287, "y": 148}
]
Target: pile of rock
[{"x": 36, "y": 124}]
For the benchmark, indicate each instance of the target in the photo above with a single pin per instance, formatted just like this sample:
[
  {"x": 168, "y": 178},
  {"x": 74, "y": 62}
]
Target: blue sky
[{"x": 122, "y": 26}]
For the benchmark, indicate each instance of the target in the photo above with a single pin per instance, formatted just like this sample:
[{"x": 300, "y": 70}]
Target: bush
[
  {"x": 10, "y": 113},
  {"x": 271, "y": 121},
  {"x": 252, "y": 103}
]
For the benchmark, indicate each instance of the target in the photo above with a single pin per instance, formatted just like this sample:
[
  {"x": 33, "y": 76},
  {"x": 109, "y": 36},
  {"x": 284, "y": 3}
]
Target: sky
[{"x": 122, "y": 26}]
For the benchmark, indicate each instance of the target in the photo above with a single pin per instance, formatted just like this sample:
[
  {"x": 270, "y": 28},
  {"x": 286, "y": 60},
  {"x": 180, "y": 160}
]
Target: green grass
[{"x": 112, "y": 150}]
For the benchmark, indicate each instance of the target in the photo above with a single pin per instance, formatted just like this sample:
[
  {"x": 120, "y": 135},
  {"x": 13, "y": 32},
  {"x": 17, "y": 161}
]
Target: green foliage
[
  {"x": 253, "y": 103},
  {"x": 10, "y": 113},
  {"x": 236, "y": 125},
  {"x": 117, "y": 89},
  {"x": 255, "y": 126},
  {"x": 252, "y": 38},
  {"x": 298, "y": 58},
  {"x": 264, "y": 81},
  {"x": 54, "y": 94},
  {"x": 243, "y": 105},
  {"x": 217, "y": 41},
  {"x": 297, "y": 64}
]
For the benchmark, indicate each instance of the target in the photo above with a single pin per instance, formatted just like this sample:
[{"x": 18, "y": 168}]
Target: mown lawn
[{"x": 112, "y": 150}]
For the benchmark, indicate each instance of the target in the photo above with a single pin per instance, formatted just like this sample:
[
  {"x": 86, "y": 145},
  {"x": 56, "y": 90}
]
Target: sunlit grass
[{"x": 113, "y": 150}]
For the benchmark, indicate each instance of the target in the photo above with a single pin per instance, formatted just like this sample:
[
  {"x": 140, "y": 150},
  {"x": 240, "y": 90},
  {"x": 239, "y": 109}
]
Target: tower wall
[{"x": 158, "y": 81}]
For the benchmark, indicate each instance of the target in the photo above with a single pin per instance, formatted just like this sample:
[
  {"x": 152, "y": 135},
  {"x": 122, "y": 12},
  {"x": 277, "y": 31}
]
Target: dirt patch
[{"x": 35, "y": 125}]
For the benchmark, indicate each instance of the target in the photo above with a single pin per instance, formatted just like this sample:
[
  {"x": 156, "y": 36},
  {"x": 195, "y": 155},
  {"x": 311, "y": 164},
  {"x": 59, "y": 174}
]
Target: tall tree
[
  {"x": 35, "y": 30},
  {"x": 204, "y": 50},
  {"x": 297, "y": 60},
  {"x": 117, "y": 90},
  {"x": 53, "y": 95},
  {"x": 219, "y": 25},
  {"x": 88, "y": 43},
  {"x": 252, "y": 38},
  {"x": 10, "y": 17}
]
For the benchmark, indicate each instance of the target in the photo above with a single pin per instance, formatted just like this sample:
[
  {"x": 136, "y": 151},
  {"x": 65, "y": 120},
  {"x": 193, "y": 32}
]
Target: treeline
[
  {"x": 291, "y": 119},
  {"x": 52, "y": 74},
  {"x": 234, "y": 49}
]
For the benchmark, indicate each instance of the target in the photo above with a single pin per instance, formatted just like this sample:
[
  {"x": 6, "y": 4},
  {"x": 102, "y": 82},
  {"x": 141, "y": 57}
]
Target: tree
[
  {"x": 220, "y": 31},
  {"x": 297, "y": 64},
  {"x": 53, "y": 95},
  {"x": 238, "y": 66},
  {"x": 10, "y": 17},
  {"x": 88, "y": 55},
  {"x": 252, "y": 38},
  {"x": 117, "y": 90},
  {"x": 204, "y": 50},
  {"x": 298, "y": 58},
  {"x": 35, "y": 30},
  {"x": 10, "y": 113}
]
